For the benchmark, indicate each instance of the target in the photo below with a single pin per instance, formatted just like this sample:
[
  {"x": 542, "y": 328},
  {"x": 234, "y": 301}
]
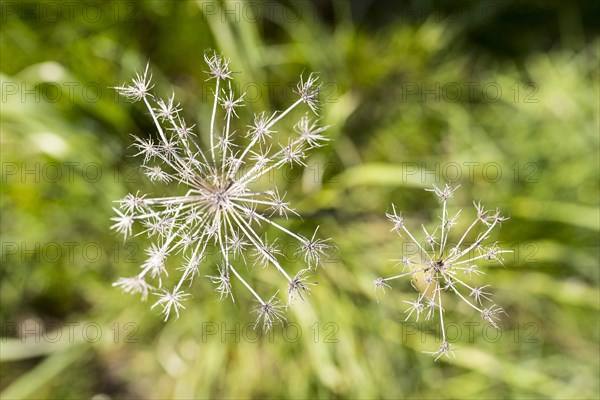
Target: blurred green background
[{"x": 500, "y": 97}]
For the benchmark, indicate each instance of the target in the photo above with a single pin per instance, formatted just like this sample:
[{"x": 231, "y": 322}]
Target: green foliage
[{"x": 531, "y": 150}]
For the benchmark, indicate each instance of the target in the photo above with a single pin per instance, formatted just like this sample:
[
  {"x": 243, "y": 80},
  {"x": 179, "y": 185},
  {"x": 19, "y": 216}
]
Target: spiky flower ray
[
  {"x": 448, "y": 267},
  {"x": 219, "y": 207}
]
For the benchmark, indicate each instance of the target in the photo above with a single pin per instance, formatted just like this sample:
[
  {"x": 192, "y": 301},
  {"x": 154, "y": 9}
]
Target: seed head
[
  {"x": 218, "y": 206},
  {"x": 442, "y": 268}
]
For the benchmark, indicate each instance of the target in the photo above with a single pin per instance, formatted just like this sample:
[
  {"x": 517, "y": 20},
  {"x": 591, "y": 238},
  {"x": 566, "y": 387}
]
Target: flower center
[{"x": 439, "y": 266}]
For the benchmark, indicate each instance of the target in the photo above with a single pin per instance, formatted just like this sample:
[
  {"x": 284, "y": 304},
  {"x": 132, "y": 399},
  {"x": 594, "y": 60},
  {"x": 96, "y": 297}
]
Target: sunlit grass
[{"x": 385, "y": 148}]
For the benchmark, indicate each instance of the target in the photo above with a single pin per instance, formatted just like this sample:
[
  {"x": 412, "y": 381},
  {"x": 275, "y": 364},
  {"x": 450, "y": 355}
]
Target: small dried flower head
[
  {"x": 478, "y": 294},
  {"x": 379, "y": 284},
  {"x": 156, "y": 173},
  {"x": 445, "y": 193},
  {"x": 445, "y": 269},
  {"x": 123, "y": 223},
  {"x": 278, "y": 204},
  {"x": 396, "y": 219},
  {"x": 230, "y": 103},
  {"x": 139, "y": 88},
  {"x": 309, "y": 91},
  {"x": 267, "y": 253},
  {"x": 223, "y": 282},
  {"x": 146, "y": 147},
  {"x": 218, "y": 67},
  {"x": 444, "y": 350},
  {"x": 416, "y": 307},
  {"x": 219, "y": 206},
  {"x": 490, "y": 315},
  {"x": 293, "y": 154},
  {"x": 260, "y": 130},
  {"x": 191, "y": 265},
  {"x": 311, "y": 132},
  {"x": 315, "y": 250},
  {"x": 167, "y": 109},
  {"x": 134, "y": 285},
  {"x": 299, "y": 285},
  {"x": 170, "y": 301},
  {"x": 269, "y": 312},
  {"x": 132, "y": 203}
]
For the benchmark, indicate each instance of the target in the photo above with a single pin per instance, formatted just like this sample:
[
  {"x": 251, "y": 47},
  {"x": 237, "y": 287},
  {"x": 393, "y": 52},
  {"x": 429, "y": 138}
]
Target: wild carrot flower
[
  {"x": 443, "y": 266},
  {"x": 220, "y": 206}
]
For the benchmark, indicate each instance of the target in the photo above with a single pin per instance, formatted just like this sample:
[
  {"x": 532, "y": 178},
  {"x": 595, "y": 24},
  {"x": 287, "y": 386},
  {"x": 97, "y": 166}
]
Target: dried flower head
[
  {"x": 448, "y": 267},
  {"x": 219, "y": 207}
]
